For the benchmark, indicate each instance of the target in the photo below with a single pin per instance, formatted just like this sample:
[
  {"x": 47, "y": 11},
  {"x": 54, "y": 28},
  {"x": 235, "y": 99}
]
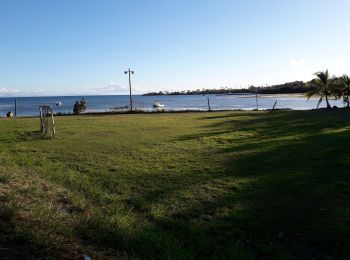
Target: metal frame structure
[{"x": 47, "y": 127}]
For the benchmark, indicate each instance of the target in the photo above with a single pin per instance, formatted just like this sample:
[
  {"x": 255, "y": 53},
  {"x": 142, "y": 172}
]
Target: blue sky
[{"x": 83, "y": 46}]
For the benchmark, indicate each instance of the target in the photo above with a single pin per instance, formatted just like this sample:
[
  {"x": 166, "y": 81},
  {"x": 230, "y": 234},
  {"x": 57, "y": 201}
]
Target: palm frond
[
  {"x": 311, "y": 93},
  {"x": 315, "y": 83},
  {"x": 346, "y": 78},
  {"x": 323, "y": 76}
]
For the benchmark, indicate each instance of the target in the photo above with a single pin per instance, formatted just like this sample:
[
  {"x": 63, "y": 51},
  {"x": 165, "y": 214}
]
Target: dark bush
[{"x": 79, "y": 107}]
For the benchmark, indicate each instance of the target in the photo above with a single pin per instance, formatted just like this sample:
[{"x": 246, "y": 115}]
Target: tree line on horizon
[
  {"x": 324, "y": 86},
  {"x": 286, "y": 88}
]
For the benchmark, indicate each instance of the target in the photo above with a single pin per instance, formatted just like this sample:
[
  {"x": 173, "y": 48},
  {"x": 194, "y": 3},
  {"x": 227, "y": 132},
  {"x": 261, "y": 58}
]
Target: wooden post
[
  {"x": 15, "y": 106},
  {"x": 53, "y": 125},
  {"x": 41, "y": 120},
  {"x": 274, "y": 105},
  {"x": 209, "y": 109}
]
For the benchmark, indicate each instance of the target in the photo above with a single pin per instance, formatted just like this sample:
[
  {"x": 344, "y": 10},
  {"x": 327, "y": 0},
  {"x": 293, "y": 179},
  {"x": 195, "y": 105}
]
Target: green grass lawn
[{"x": 224, "y": 185}]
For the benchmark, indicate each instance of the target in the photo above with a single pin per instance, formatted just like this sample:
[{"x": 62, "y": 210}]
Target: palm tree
[
  {"x": 324, "y": 87},
  {"x": 344, "y": 87}
]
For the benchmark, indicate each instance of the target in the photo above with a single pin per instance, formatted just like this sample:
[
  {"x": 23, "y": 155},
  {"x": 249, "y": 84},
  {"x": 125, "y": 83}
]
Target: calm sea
[{"x": 28, "y": 106}]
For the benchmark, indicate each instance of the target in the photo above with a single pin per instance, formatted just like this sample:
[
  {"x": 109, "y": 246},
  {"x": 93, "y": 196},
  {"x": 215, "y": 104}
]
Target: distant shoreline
[
  {"x": 153, "y": 94},
  {"x": 241, "y": 95},
  {"x": 296, "y": 87}
]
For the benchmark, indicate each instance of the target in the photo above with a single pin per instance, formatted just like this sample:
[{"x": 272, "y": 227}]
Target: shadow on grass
[
  {"x": 28, "y": 136},
  {"x": 14, "y": 245},
  {"x": 297, "y": 203}
]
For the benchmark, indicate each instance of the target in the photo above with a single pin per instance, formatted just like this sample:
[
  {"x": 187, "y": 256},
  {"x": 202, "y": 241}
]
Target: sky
[{"x": 82, "y": 47}]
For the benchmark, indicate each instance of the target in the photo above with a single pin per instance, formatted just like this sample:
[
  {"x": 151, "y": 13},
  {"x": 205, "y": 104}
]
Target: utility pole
[{"x": 129, "y": 71}]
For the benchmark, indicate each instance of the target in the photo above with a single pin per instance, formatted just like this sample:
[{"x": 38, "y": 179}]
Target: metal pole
[
  {"x": 257, "y": 102},
  {"x": 130, "y": 89}
]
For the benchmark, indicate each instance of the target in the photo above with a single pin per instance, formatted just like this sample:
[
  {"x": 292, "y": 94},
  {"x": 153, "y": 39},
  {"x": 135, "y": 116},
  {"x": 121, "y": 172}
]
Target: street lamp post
[{"x": 129, "y": 72}]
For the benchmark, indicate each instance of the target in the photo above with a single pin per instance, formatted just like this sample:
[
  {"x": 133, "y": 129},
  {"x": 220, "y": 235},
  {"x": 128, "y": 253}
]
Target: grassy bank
[{"x": 178, "y": 186}]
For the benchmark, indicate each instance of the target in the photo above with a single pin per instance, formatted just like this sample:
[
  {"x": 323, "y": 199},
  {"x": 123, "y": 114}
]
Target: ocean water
[{"x": 29, "y": 106}]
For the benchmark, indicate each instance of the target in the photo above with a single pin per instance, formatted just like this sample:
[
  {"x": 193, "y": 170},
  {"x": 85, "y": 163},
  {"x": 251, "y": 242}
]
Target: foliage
[
  {"x": 286, "y": 88},
  {"x": 343, "y": 90},
  {"x": 79, "y": 107},
  {"x": 221, "y": 185},
  {"x": 324, "y": 86}
]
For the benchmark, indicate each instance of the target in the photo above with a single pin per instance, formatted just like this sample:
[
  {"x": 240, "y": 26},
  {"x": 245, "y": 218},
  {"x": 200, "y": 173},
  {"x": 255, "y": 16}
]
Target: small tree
[{"x": 79, "y": 107}]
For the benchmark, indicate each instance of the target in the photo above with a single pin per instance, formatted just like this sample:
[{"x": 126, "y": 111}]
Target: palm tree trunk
[{"x": 328, "y": 105}]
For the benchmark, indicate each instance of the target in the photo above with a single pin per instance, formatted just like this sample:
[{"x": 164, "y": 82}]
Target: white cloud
[
  {"x": 38, "y": 90},
  {"x": 7, "y": 91},
  {"x": 297, "y": 62},
  {"x": 111, "y": 88}
]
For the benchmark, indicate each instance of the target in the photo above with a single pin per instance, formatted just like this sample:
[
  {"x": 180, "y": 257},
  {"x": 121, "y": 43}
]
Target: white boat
[
  {"x": 58, "y": 103},
  {"x": 157, "y": 104}
]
